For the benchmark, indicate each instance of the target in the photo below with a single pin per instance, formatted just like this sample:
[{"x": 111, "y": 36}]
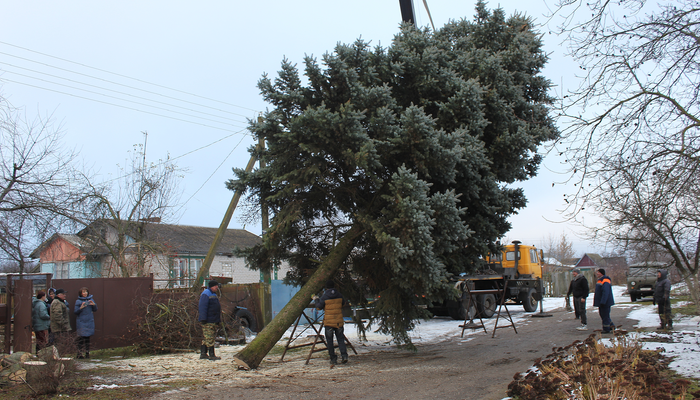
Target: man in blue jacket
[
  {"x": 209, "y": 317},
  {"x": 603, "y": 299}
]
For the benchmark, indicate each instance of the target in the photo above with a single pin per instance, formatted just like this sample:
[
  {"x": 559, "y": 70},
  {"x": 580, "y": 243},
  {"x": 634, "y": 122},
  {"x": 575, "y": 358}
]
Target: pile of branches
[
  {"x": 592, "y": 370},
  {"x": 170, "y": 323}
]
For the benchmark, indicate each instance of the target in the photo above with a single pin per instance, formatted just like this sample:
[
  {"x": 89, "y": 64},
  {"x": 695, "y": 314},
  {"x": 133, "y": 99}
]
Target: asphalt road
[{"x": 479, "y": 368}]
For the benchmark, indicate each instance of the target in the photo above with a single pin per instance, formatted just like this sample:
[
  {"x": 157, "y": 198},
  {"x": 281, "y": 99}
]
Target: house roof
[
  {"x": 180, "y": 239},
  {"x": 588, "y": 260},
  {"x": 197, "y": 240},
  {"x": 74, "y": 240}
]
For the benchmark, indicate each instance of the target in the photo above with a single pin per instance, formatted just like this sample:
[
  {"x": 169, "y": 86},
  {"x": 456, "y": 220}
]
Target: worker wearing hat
[
  {"x": 579, "y": 288},
  {"x": 209, "y": 317},
  {"x": 60, "y": 320},
  {"x": 603, "y": 299},
  {"x": 332, "y": 303}
]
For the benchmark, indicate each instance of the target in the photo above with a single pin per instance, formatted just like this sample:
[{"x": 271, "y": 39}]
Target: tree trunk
[
  {"x": 256, "y": 350},
  {"x": 692, "y": 282}
]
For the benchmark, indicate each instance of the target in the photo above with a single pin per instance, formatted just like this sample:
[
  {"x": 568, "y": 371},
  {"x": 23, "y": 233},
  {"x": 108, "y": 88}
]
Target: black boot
[
  {"x": 213, "y": 356},
  {"x": 204, "y": 355}
]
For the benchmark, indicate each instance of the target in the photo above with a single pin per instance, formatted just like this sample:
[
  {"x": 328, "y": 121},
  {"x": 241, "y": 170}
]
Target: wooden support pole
[
  {"x": 266, "y": 272},
  {"x": 204, "y": 270}
]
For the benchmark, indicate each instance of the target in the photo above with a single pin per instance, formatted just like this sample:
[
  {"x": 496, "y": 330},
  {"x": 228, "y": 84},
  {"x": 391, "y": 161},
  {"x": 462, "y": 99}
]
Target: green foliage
[{"x": 415, "y": 144}]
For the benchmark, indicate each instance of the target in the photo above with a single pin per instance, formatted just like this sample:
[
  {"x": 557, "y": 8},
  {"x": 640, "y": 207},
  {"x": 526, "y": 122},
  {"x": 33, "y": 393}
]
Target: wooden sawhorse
[
  {"x": 318, "y": 338},
  {"x": 500, "y": 293}
]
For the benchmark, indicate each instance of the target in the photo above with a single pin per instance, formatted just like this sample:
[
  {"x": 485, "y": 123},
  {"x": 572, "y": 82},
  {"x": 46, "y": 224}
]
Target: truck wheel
[
  {"x": 633, "y": 298},
  {"x": 528, "y": 299},
  {"x": 458, "y": 310},
  {"x": 486, "y": 303},
  {"x": 247, "y": 319}
]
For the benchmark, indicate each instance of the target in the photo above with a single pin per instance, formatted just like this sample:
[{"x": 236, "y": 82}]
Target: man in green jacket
[{"x": 60, "y": 321}]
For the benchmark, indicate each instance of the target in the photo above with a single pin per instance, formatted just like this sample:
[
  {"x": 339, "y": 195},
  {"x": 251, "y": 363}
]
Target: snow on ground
[{"x": 682, "y": 344}]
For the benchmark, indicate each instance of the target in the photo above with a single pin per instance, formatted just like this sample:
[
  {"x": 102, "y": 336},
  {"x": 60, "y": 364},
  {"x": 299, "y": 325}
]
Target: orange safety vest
[{"x": 333, "y": 313}]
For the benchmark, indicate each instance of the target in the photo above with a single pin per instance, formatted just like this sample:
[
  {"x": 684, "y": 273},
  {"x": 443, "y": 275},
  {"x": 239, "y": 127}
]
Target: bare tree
[
  {"x": 559, "y": 248},
  {"x": 37, "y": 183},
  {"x": 656, "y": 213},
  {"x": 632, "y": 127},
  {"x": 122, "y": 209}
]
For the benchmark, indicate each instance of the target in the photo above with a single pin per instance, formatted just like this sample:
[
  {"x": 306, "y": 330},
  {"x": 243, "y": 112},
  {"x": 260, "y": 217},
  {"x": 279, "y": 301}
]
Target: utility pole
[
  {"x": 408, "y": 13},
  {"x": 204, "y": 269}
]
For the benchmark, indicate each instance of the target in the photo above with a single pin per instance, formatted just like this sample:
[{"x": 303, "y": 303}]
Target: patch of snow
[
  {"x": 100, "y": 387},
  {"x": 682, "y": 344}
]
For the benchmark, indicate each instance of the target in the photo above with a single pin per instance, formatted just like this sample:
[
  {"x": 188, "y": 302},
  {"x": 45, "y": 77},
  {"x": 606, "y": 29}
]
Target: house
[
  {"x": 172, "y": 253},
  {"x": 588, "y": 262}
]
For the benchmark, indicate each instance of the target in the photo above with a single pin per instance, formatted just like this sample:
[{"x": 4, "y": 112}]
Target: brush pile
[
  {"x": 592, "y": 370},
  {"x": 170, "y": 323}
]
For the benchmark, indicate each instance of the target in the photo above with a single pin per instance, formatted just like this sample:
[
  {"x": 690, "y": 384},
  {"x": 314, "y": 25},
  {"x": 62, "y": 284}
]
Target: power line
[
  {"x": 213, "y": 143},
  {"x": 117, "y": 98},
  {"x": 107, "y": 89},
  {"x": 119, "y": 105},
  {"x": 210, "y": 176},
  {"x": 190, "y": 152},
  {"x": 117, "y": 83},
  {"x": 124, "y": 76}
]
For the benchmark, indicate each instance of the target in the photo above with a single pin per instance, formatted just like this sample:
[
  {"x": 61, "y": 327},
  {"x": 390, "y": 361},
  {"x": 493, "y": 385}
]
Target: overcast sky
[{"x": 186, "y": 72}]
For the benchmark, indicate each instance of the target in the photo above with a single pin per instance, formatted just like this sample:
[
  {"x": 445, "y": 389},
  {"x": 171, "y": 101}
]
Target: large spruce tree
[{"x": 387, "y": 169}]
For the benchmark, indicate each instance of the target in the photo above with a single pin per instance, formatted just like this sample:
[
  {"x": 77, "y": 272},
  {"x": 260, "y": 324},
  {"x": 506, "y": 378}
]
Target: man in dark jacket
[
  {"x": 332, "y": 303},
  {"x": 209, "y": 317},
  {"x": 579, "y": 288},
  {"x": 662, "y": 297},
  {"x": 603, "y": 299}
]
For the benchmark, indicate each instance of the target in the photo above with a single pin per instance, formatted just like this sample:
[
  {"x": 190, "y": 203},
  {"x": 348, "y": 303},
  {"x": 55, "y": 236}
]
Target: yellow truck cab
[
  {"x": 518, "y": 261},
  {"x": 525, "y": 259},
  {"x": 516, "y": 271}
]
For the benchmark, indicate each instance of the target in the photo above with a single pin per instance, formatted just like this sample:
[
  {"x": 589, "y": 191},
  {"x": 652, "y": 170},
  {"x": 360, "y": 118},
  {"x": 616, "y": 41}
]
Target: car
[{"x": 641, "y": 279}]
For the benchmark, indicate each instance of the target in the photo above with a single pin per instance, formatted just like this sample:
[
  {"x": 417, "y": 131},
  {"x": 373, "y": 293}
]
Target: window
[
  {"x": 227, "y": 269},
  {"x": 179, "y": 272},
  {"x": 195, "y": 265},
  {"x": 184, "y": 269},
  {"x": 61, "y": 270},
  {"x": 533, "y": 255},
  {"x": 510, "y": 256}
]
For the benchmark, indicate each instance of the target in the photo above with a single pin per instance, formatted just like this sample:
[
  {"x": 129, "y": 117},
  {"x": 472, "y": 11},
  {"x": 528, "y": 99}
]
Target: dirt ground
[{"x": 476, "y": 367}]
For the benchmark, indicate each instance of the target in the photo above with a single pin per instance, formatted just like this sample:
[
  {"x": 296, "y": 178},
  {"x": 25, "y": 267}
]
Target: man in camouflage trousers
[{"x": 209, "y": 317}]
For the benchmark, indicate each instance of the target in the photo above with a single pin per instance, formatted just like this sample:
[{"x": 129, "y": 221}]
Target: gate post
[
  {"x": 8, "y": 315},
  {"x": 22, "y": 301}
]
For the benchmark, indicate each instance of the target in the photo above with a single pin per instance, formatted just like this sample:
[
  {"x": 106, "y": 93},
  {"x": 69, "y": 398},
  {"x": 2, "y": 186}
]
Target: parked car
[{"x": 641, "y": 279}]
